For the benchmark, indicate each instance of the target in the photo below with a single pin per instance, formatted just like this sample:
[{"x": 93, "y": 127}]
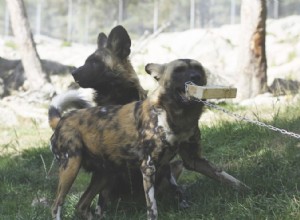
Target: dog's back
[{"x": 103, "y": 131}]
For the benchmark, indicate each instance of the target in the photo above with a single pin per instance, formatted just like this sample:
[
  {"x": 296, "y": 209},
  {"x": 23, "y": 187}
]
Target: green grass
[
  {"x": 292, "y": 55},
  {"x": 266, "y": 161},
  {"x": 66, "y": 44},
  {"x": 11, "y": 45}
]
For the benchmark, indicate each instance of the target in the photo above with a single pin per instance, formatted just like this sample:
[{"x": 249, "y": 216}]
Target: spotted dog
[
  {"x": 143, "y": 135},
  {"x": 109, "y": 72}
]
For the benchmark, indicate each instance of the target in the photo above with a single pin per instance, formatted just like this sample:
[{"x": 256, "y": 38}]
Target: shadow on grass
[
  {"x": 268, "y": 162},
  {"x": 23, "y": 180}
]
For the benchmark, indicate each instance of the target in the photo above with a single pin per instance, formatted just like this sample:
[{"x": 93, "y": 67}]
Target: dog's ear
[
  {"x": 119, "y": 42},
  {"x": 101, "y": 41},
  {"x": 155, "y": 70}
]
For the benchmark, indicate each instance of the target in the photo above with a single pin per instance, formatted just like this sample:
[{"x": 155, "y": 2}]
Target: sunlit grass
[{"x": 265, "y": 160}]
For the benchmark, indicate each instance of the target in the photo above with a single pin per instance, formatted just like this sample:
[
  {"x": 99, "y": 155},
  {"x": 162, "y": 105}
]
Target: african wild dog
[
  {"x": 109, "y": 72},
  {"x": 144, "y": 134}
]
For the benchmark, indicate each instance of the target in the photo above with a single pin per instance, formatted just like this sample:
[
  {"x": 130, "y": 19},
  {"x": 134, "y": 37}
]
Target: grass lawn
[{"x": 266, "y": 161}]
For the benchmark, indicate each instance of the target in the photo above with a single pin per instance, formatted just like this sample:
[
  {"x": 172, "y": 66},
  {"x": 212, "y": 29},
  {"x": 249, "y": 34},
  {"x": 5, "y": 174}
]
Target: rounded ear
[
  {"x": 155, "y": 70},
  {"x": 119, "y": 42},
  {"x": 102, "y": 40}
]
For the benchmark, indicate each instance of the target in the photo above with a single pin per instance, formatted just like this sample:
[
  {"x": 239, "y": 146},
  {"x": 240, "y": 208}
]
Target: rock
[
  {"x": 13, "y": 77},
  {"x": 284, "y": 87},
  {"x": 1, "y": 87},
  {"x": 8, "y": 118},
  {"x": 40, "y": 202}
]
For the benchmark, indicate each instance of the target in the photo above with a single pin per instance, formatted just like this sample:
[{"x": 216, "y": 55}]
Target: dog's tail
[{"x": 71, "y": 99}]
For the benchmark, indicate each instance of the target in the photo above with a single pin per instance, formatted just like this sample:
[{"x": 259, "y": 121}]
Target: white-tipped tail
[{"x": 71, "y": 99}]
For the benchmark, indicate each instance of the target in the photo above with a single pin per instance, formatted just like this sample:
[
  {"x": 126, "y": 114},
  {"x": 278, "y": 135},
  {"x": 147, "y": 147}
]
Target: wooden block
[{"x": 211, "y": 92}]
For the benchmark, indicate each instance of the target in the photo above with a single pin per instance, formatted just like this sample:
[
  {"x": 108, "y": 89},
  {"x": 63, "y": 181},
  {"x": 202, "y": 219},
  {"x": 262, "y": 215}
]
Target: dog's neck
[
  {"x": 180, "y": 116},
  {"x": 181, "y": 119},
  {"x": 119, "y": 92}
]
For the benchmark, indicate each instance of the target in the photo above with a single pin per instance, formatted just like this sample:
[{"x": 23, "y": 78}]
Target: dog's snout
[
  {"x": 195, "y": 76},
  {"x": 72, "y": 68},
  {"x": 74, "y": 71}
]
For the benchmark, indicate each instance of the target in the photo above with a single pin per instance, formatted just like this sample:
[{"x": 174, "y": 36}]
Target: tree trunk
[
  {"x": 30, "y": 58},
  {"x": 155, "y": 15},
  {"x": 70, "y": 19},
  {"x": 232, "y": 11},
  {"x": 87, "y": 22},
  {"x": 192, "y": 14},
  {"x": 38, "y": 17},
  {"x": 6, "y": 22},
  {"x": 252, "y": 58},
  {"x": 121, "y": 10},
  {"x": 276, "y": 9}
]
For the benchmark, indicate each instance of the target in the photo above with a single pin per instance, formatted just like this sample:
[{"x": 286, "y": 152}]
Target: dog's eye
[
  {"x": 93, "y": 62},
  {"x": 199, "y": 69},
  {"x": 195, "y": 77},
  {"x": 179, "y": 69}
]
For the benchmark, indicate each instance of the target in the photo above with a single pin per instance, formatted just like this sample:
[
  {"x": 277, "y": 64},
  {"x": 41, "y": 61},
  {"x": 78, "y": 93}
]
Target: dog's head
[
  {"x": 102, "y": 66},
  {"x": 172, "y": 78}
]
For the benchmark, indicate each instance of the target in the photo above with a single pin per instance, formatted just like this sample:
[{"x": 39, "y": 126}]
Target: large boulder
[{"x": 12, "y": 75}]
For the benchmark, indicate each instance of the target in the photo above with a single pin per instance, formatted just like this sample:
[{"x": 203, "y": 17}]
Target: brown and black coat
[{"x": 143, "y": 135}]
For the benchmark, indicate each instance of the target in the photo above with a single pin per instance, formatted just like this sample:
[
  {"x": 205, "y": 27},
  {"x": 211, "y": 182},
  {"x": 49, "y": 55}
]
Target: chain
[{"x": 243, "y": 118}]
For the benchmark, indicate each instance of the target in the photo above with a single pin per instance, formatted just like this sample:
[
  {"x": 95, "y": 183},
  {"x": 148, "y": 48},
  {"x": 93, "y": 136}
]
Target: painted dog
[
  {"x": 145, "y": 134},
  {"x": 109, "y": 72}
]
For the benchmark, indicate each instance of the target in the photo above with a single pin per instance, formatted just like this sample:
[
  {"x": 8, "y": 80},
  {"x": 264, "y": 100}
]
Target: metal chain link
[{"x": 243, "y": 118}]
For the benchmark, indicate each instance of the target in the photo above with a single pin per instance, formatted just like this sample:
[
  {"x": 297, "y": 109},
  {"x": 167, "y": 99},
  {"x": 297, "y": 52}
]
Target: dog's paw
[
  {"x": 99, "y": 213},
  {"x": 184, "y": 204}
]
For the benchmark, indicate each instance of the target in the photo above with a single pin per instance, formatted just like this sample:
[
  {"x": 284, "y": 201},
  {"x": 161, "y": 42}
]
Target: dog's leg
[
  {"x": 67, "y": 175},
  {"x": 102, "y": 203},
  {"x": 98, "y": 182},
  {"x": 192, "y": 161},
  {"x": 176, "y": 170},
  {"x": 148, "y": 172},
  {"x": 167, "y": 177}
]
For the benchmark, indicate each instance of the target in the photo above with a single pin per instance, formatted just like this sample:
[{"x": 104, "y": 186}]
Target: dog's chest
[
  {"x": 166, "y": 134},
  {"x": 160, "y": 140},
  {"x": 163, "y": 129}
]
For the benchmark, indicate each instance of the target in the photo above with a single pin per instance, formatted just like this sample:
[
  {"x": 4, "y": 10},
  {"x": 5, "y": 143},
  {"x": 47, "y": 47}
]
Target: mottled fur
[
  {"x": 143, "y": 135},
  {"x": 109, "y": 72}
]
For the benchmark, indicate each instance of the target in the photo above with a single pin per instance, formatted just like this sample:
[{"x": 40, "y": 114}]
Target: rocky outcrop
[{"x": 12, "y": 75}]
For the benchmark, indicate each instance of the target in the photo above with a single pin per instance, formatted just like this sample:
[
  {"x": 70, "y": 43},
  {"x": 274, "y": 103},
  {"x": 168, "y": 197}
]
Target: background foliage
[{"x": 90, "y": 16}]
